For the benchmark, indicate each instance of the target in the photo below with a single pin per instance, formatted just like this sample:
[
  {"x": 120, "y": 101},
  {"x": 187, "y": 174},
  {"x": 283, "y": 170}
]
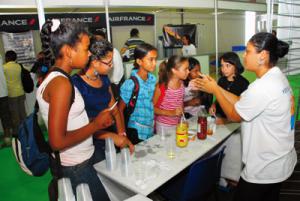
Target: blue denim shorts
[{"x": 85, "y": 173}]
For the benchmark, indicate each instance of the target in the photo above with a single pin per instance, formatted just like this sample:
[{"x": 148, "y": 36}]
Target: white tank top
[{"x": 77, "y": 118}]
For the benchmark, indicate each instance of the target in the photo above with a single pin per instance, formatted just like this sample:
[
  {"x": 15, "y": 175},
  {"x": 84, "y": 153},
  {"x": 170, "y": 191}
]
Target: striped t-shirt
[
  {"x": 131, "y": 44},
  {"x": 172, "y": 100}
]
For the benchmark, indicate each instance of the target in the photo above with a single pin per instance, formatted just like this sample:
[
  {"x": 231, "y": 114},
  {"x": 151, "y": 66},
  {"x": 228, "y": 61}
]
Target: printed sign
[
  {"x": 22, "y": 44},
  {"x": 172, "y": 35}
]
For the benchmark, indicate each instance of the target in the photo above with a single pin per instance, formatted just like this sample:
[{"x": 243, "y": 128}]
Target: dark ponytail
[
  {"x": 46, "y": 40},
  {"x": 140, "y": 52},
  {"x": 269, "y": 42},
  {"x": 66, "y": 33}
]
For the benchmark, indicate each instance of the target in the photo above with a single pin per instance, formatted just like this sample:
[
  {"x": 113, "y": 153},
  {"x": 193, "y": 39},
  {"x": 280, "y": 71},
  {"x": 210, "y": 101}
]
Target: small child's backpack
[{"x": 30, "y": 148}]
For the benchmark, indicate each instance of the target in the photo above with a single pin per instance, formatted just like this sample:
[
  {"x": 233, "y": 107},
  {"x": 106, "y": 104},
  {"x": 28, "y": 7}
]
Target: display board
[{"x": 172, "y": 35}]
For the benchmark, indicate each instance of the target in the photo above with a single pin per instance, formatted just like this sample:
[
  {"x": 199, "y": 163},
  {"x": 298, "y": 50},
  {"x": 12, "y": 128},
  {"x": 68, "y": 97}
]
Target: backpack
[
  {"x": 132, "y": 101},
  {"x": 162, "y": 88},
  {"x": 132, "y": 134},
  {"x": 32, "y": 151},
  {"x": 27, "y": 81}
]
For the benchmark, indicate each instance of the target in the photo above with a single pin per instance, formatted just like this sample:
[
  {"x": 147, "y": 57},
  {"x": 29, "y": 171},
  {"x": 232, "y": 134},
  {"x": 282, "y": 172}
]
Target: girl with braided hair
[{"x": 63, "y": 110}]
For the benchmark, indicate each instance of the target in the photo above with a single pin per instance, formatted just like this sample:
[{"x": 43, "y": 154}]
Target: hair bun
[{"x": 282, "y": 48}]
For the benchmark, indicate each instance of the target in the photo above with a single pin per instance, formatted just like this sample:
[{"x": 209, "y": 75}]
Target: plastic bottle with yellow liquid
[{"x": 182, "y": 133}]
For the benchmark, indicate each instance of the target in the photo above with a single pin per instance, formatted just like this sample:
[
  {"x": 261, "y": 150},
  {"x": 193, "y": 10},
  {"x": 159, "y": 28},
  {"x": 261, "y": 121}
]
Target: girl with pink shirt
[{"x": 169, "y": 93}]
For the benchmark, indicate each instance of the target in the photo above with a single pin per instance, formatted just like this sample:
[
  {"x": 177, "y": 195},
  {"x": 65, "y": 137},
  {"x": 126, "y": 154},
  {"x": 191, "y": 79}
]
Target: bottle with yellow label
[{"x": 182, "y": 134}]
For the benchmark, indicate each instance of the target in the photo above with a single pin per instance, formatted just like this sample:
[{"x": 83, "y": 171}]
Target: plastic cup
[
  {"x": 171, "y": 147},
  {"x": 65, "y": 191},
  {"x": 125, "y": 162},
  {"x": 211, "y": 125},
  {"x": 162, "y": 133},
  {"x": 110, "y": 154},
  {"x": 83, "y": 193},
  {"x": 139, "y": 171}
]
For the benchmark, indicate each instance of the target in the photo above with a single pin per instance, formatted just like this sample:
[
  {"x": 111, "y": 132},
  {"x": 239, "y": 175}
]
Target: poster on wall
[
  {"x": 172, "y": 35},
  {"x": 22, "y": 44}
]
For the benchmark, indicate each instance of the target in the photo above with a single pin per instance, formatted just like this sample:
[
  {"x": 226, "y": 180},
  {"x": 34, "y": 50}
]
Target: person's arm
[
  {"x": 121, "y": 107},
  {"x": 116, "y": 114},
  {"x": 56, "y": 94},
  {"x": 224, "y": 98},
  {"x": 120, "y": 141},
  {"x": 123, "y": 50},
  {"x": 158, "y": 111}
]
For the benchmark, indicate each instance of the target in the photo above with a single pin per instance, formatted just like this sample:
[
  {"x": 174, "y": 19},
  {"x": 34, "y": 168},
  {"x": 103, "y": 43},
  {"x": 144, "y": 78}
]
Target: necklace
[
  {"x": 92, "y": 78},
  {"x": 229, "y": 86}
]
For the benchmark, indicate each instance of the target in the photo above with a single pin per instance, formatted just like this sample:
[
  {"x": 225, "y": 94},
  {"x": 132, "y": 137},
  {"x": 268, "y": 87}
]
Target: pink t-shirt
[{"x": 172, "y": 100}]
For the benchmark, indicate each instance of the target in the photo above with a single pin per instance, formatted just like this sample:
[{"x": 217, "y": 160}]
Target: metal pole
[
  {"x": 216, "y": 36},
  {"x": 155, "y": 33},
  {"x": 107, "y": 21},
  {"x": 270, "y": 5},
  {"x": 41, "y": 13}
]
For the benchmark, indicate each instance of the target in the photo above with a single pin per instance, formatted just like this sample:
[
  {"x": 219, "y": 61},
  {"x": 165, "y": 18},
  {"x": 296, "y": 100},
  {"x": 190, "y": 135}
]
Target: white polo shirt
[
  {"x": 188, "y": 50},
  {"x": 267, "y": 110}
]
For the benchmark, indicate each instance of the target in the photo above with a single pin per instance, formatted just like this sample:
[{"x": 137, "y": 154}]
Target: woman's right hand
[{"x": 104, "y": 119}]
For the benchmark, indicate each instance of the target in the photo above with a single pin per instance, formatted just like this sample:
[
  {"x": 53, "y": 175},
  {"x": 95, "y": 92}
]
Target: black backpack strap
[
  {"x": 69, "y": 77},
  {"x": 134, "y": 96}
]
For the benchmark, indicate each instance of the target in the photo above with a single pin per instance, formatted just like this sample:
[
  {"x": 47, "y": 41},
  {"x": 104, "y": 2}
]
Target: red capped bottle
[{"x": 202, "y": 123}]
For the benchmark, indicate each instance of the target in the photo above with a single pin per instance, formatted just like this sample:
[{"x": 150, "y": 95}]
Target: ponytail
[
  {"x": 46, "y": 40},
  {"x": 162, "y": 73}
]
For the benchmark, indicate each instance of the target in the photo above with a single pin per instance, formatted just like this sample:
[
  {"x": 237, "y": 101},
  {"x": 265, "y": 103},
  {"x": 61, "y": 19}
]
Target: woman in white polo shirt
[{"x": 266, "y": 110}]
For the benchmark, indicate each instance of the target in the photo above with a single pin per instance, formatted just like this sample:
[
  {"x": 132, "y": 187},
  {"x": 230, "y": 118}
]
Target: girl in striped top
[{"x": 169, "y": 93}]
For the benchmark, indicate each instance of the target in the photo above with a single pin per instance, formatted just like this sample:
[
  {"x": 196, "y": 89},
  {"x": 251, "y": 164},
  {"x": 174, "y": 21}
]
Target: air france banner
[
  {"x": 127, "y": 19},
  {"x": 20, "y": 23}
]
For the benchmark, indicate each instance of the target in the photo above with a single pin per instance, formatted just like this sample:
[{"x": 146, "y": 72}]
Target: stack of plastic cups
[
  {"x": 65, "y": 192},
  {"x": 110, "y": 154},
  {"x": 83, "y": 193},
  {"x": 125, "y": 162}
]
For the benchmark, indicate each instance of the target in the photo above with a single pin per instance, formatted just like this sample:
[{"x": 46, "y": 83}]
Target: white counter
[{"x": 121, "y": 188}]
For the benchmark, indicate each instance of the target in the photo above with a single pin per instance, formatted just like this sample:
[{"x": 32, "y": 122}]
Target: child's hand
[
  {"x": 123, "y": 141},
  {"x": 178, "y": 111},
  {"x": 103, "y": 120},
  {"x": 212, "y": 110},
  {"x": 195, "y": 102}
]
